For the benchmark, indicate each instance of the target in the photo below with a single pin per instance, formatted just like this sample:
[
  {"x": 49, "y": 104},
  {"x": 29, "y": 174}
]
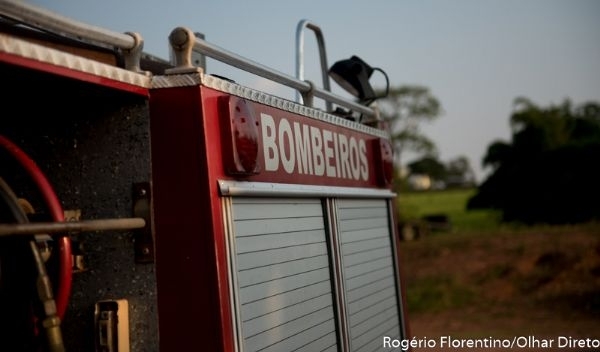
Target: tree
[
  {"x": 547, "y": 172},
  {"x": 455, "y": 173},
  {"x": 430, "y": 166},
  {"x": 404, "y": 109},
  {"x": 459, "y": 173}
]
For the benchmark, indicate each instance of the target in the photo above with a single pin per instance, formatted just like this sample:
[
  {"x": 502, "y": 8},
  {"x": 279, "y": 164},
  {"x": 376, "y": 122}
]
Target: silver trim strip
[
  {"x": 234, "y": 303},
  {"x": 337, "y": 268},
  {"x": 284, "y": 104},
  {"x": 170, "y": 81},
  {"x": 399, "y": 283},
  {"x": 257, "y": 189},
  {"x": 29, "y": 50}
]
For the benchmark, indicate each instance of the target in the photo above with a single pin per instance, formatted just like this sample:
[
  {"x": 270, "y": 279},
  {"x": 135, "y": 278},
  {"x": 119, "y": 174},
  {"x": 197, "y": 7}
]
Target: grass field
[
  {"x": 484, "y": 279},
  {"x": 452, "y": 203}
]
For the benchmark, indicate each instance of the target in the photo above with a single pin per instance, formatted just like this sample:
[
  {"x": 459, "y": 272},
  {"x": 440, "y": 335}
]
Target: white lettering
[
  {"x": 337, "y": 154},
  {"x": 327, "y": 139},
  {"x": 289, "y": 159},
  {"x": 354, "y": 159},
  {"x": 344, "y": 157},
  {"x": 269, "y": 146},
  {"x": 570, "y": 342},
  {"x": 310, "y": 150},
  {"x": 302, "y": 139},
  {"x": 317, "y": 149},
  {"x": 386, "y": 342},
  {"x": 364, "y": 164}
]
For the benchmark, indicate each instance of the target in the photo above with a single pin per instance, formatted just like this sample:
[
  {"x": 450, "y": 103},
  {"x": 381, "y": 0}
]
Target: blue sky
[{"x": 476, "y": 56}]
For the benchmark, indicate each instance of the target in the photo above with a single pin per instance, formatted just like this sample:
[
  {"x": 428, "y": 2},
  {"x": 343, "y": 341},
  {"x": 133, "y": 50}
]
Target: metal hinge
[{"x": 143, "y": 240}]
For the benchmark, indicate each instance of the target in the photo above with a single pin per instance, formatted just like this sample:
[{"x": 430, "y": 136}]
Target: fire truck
[{"x": 148, "y": 205}]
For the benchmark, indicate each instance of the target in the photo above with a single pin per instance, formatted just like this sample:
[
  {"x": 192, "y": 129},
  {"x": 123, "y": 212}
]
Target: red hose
[{"x": 54, "y": 207}]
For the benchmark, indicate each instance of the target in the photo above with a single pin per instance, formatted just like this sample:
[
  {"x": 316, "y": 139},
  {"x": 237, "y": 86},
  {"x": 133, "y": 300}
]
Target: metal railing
[
  {"x": 183, "y": 42},
  {"x": 322, "y": 55},
  {"x": 130, "y": 43}
]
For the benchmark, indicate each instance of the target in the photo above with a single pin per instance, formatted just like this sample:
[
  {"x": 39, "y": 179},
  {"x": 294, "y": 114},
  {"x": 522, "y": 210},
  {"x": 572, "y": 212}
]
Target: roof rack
[
  {"x": 130, "y": 43},
  {"x": 183, "y": 42}
]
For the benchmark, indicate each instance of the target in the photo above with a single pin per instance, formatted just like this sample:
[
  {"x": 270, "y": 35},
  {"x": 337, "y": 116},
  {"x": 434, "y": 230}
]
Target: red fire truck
[{"x": 147, "y": 205}]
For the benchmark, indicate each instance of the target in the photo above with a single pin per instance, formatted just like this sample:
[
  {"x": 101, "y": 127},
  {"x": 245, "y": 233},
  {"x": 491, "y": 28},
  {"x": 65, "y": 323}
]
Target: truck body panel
[{"x": 269, "y": 225}]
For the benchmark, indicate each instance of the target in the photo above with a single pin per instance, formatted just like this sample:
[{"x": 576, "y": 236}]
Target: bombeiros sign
[
  {"x": 263, "y": 143},
  {"x": 308, "y": 150}
]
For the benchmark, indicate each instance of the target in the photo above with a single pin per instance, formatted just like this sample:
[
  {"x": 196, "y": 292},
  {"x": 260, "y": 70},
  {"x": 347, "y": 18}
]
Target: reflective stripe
[{"x": 262, "y": 189}]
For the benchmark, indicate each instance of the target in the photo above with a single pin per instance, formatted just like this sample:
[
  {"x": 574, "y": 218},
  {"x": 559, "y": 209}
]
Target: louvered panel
[
  {"x": 277, "y": 271},
  {"x": 278, "y": 240},
  {"x": 372, "y": 330},
  {"x": 366, "y": 223},
  {"x": 282, "y": 285},
  {"x": 368, "y": 271},
  {"x": 257, "y": 227},
  {"x": 372, "y": 340},
  {"x": 364, "y": 234},
  {"x": 371, "y": 244},
  {"x": 283, "y": 275},
  {"x": 275, "y": 303},
  {"x": 366, "y": 258},
  {"x": 319, "y": 337},
  {"x": 261, "y": 258},
  {"x": 370, "y": 278},
  {"x": 357, "y": 270},
  {"x": 369, "y": 301}
]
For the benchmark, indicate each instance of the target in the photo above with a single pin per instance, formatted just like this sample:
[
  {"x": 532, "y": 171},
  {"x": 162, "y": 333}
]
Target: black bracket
[{"x": 143, "y": 240}]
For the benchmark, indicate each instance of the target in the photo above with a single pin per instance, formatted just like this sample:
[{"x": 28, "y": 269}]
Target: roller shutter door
[
  {"x": 282, "y": 275},
  {"x": 368, "y": 271}
]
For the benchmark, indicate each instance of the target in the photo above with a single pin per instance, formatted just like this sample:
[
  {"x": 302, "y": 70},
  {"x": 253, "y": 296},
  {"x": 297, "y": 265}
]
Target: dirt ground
[{"x": 541, "y": 286}]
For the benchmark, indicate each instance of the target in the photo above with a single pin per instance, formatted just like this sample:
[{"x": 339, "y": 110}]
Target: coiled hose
[
  {"x": 54, "y": 207},
  {"x": 51, "y": 321}
]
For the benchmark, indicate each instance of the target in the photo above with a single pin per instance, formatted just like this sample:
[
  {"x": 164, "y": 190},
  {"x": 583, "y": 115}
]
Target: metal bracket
[
  {"x": 307, "y": 97},
  {"x": 143, "y": 240},
  {"x": 133, "y": 56},
  {"x": 181, "y": 42}
]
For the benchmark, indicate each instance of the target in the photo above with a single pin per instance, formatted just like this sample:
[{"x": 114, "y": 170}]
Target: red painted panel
[
  {"x": 191, "y": 260},
  {"x": 295, "y": 149},
  {"x": 190, "y": 149}
]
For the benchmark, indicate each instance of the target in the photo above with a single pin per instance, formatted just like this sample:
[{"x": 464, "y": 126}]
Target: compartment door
[
  {"x": 369, "y": 275},
  {"x": 282, "y": 276}
]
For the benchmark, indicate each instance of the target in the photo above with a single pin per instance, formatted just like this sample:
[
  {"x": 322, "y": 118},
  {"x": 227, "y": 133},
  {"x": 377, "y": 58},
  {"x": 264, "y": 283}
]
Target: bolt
[{"x": 180, "y": 36}]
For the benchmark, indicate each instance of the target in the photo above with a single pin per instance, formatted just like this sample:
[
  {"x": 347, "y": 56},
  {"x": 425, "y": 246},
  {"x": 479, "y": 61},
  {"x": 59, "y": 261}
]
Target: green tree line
[{"x": 548, "y": 172}]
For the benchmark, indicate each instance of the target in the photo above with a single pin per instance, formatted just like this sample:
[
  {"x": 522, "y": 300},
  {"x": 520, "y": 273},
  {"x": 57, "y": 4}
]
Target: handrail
[
  {"x": 322, "y": 55},
  {"x": 131, "y": 43},
  {"x": 183, "y": 41},
  {"x": 71, "y": 226}
]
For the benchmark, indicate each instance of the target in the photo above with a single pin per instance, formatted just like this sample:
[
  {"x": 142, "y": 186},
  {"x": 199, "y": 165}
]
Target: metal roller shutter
[
  {"x": 368, "y": 271},
  {"x": 284, "y": 291}
]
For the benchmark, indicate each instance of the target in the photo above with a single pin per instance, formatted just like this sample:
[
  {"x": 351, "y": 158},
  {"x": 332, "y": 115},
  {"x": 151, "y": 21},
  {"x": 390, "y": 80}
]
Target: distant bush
[{"x": 548, "y": 174}]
